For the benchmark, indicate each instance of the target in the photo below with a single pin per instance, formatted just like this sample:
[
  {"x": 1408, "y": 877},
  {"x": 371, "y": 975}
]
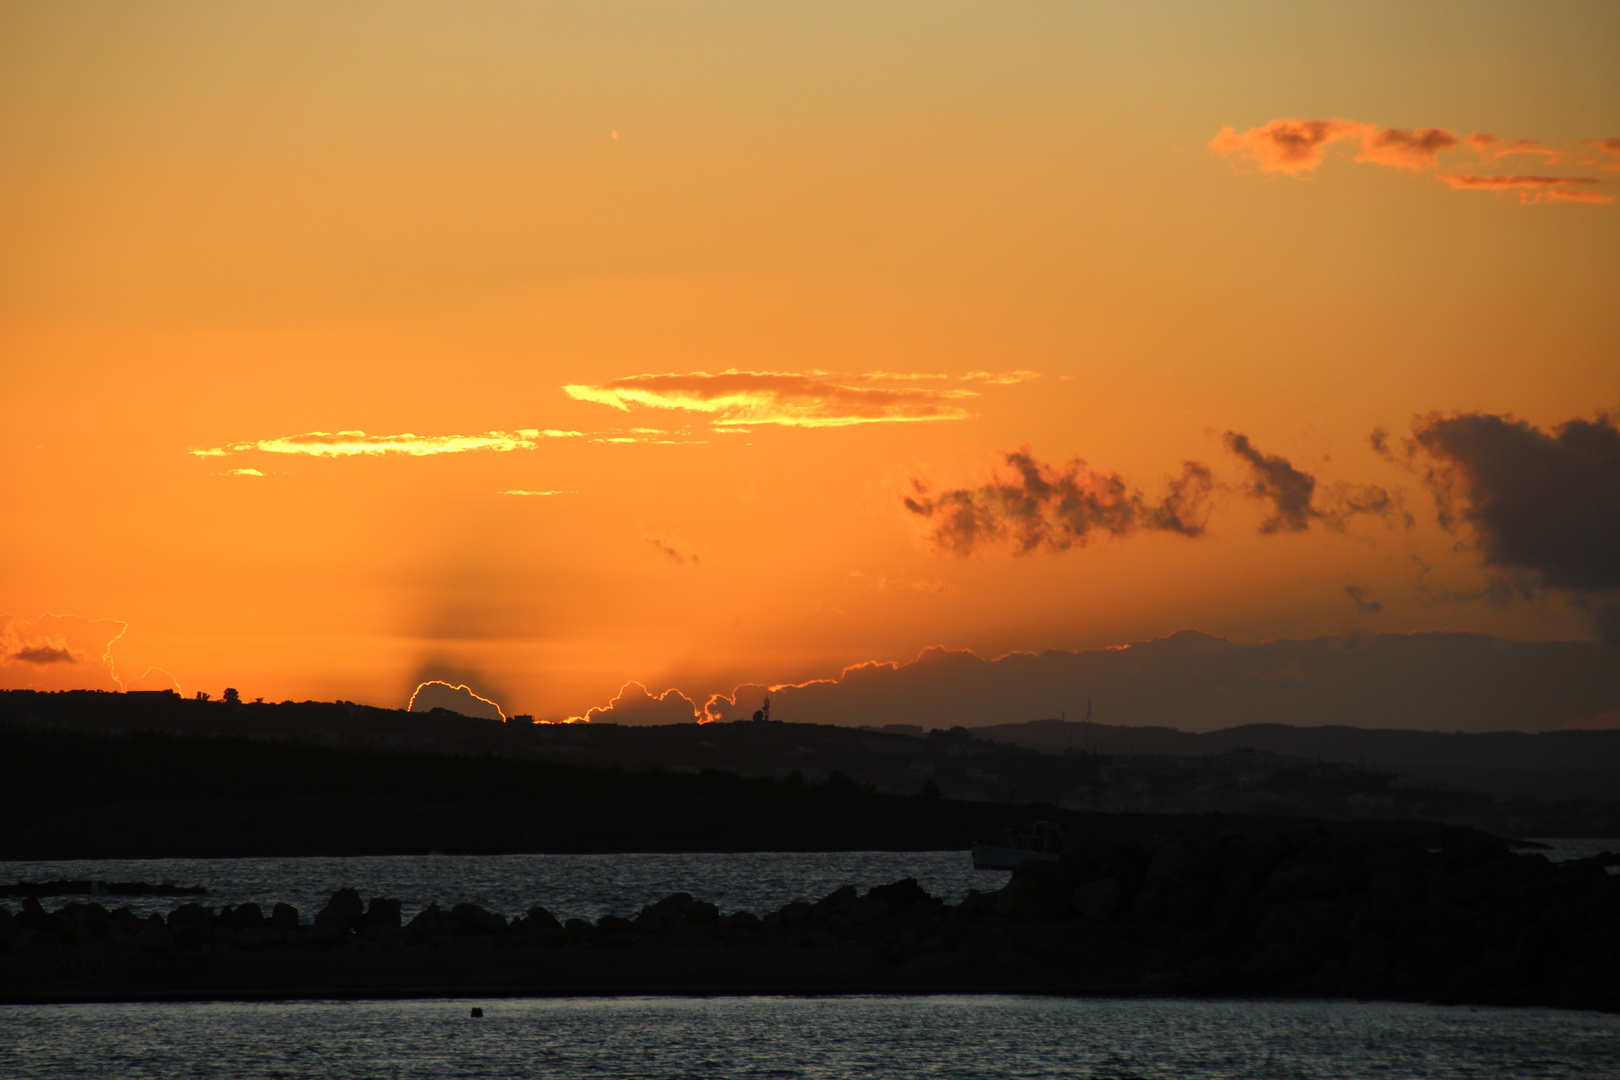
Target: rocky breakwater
[
  {"x": 1404, "y": 912},
  {"x": 1381, "y": 911}
]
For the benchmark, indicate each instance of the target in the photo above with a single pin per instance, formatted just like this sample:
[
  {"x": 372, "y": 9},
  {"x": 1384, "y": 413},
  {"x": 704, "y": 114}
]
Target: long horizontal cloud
[
  {"x": 785, "y": 398},
  {"x": 1046, "y": 508},
  {"x": 1293, "y": 147},
  {"x": 327, "y": 444},
  {"x": 1531, "y": 189},
  {"x": 1196, "y": 682},
  {"x": 1294, "y": 497},
  {"x": 1543, "y": 502}
]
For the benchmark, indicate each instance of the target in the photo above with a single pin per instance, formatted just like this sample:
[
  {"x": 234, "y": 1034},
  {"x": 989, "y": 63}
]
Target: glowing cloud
[
  {"x": 520, "y": 491},
  {"x": 1293, "y": 147},
  {"x": 788, "y": 399},
  {"x": 1054, "y": 509},
  {"x": 1286, "y": 146},
  {"x": 1400, "y": 149},
  {"x": 1494, "y": 149},
  {"x": 1607, "y": 151},
  {"x": 1004, "y": 378},
  {"x": 326, "y": 444}
]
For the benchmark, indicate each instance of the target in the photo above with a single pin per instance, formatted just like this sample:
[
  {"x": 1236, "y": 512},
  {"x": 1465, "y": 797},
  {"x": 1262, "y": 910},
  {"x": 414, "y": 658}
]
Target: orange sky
[{"x": 518, "y": 247}]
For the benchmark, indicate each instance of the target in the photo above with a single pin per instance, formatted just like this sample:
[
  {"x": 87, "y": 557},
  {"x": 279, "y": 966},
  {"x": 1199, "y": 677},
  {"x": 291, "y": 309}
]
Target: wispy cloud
[
  {"x": 769, "y": 397},
  {"x": 241, "y": 472},
  {"x": 673, "y": 549},
  {"x": 1494, "y": 149},
  {"x": 327, "y": 444},
  {"x": 631, "y": 440},
  {"x": 1606, "y": 152},
  {"x": 1295, "y": 147},
  {"x": 1285, "y": 146},
  {"x": 1046, "y": 508},
  {"x": 1294, "y": 497},
  {"x": 1531, "y": 189},
  {"x": 1363, "y": 600},
  {"x": 521, "y": 491},
  {"x": 1398, "y": 148},
  {"x": 1001, "y": 378}
]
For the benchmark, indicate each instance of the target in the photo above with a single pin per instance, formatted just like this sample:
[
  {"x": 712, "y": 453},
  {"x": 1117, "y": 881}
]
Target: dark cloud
[
  {"x": 1045, "y": 508},
  {"x": 1185, "y": 508},
  {"x": 1276, "y": 481},
  {"x": 1196, "y": 682},
  {"x": 665, "y": 547},
  {"x": 635, "y": 705},
  {"x": 1363, "y": 600},
  {"x": 463, "y": 699},
  {"x": 1538, "y": 501},
  {"x": 1293, "y": 494},
  {"x": 1402, "y": 149},
  {"x": 46, "y": 654}
]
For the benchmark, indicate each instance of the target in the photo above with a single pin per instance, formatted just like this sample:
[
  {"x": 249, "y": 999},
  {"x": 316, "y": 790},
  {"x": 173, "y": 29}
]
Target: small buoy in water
[{"x": 477, "y": 1012}]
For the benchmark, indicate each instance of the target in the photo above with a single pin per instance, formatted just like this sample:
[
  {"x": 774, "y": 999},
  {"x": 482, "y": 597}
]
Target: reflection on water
[
  {"x": 799, "y": 1037},
  {"x": 583, "y": 886}
]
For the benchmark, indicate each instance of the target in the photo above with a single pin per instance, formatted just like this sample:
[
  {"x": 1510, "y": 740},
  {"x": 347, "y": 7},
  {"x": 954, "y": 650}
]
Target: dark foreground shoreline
[{"x": 1392, "y": 911}]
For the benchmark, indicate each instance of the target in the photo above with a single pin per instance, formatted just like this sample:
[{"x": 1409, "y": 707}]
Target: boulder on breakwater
[{"x": 1337, "y": 910}]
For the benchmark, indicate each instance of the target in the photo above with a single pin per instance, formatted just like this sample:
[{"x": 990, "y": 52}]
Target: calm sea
[{"x": 880, "y": 1037}]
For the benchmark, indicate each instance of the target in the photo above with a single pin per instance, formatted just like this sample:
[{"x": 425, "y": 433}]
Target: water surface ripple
[{"x": 880, "y": 1037}]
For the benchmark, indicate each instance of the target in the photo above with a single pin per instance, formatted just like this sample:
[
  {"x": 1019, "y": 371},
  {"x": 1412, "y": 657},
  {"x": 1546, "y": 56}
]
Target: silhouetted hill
[
  {"x": 1384, "y": 748},
  {"x": 955, "y": 764},
  {"x": 76, "y": 795},
  {"x": 1547, "y": 764}
]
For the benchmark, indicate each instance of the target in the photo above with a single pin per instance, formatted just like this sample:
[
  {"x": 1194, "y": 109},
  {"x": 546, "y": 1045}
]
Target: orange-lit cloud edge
[
  {"x": 469, "y": 691},
  {"x": 49, "y": 644},
  {"x": 732, "y": 401},
  {"x": 1295, "y": 147},
  {"x": 793, "y": 399},
  {"x": 328, "y": 444}
]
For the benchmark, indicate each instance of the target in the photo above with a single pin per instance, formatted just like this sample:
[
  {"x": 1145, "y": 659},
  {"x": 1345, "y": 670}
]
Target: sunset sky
[{"x": 546, "y": 347}]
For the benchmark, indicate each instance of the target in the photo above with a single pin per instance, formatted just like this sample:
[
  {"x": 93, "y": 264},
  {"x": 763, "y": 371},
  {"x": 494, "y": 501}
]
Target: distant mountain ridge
[{"x": 1196, "y": 682}]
